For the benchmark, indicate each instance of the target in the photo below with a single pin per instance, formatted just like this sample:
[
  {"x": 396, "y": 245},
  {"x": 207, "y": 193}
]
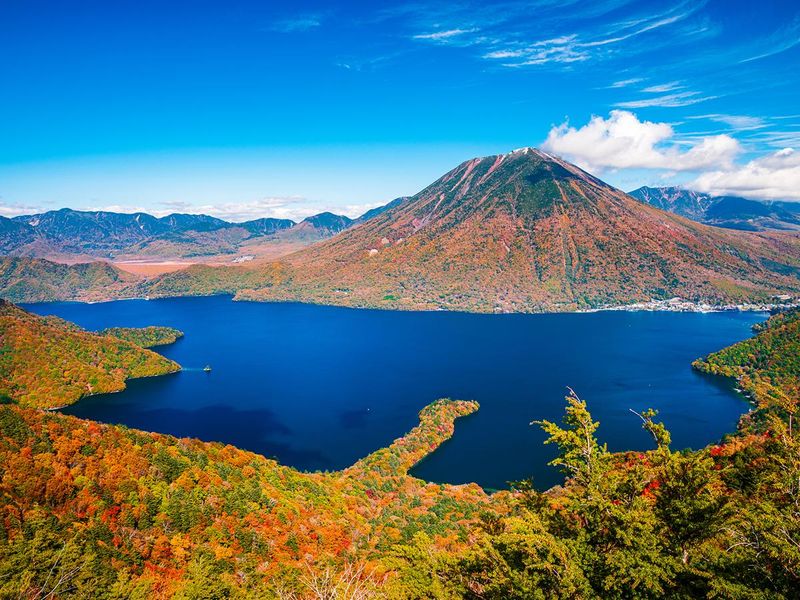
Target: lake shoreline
[{"x": 672, "y": 305}]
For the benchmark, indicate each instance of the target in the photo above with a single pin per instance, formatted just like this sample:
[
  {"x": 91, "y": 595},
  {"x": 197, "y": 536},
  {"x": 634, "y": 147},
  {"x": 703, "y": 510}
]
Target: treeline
[
  {"x": 145, "y": 337},
  {"x": 767, "y": 366}
]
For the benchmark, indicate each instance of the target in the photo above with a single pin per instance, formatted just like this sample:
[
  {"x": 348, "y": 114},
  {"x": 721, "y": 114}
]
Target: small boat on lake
[{"x": 207, "y": 368}]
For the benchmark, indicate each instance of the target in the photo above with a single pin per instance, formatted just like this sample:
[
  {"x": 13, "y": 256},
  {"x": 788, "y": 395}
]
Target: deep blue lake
[{"x": 319, "y": 387}]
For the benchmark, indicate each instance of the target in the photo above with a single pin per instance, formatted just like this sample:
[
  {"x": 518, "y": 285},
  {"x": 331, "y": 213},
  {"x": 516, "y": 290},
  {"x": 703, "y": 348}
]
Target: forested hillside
[
  {"x": 768, "y": 365},
  {"x": 36, "y": 280},
  {"x": 145, "y": 337},
  {"x": 99, "y": 511},
  {"x": 46, "y": 362}
]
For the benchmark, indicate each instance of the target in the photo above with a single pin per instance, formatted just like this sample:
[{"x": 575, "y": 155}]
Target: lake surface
[{"x": 320, "y": 387}]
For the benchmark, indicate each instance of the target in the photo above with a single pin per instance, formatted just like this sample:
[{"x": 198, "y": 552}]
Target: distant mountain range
[
  {"x": 107, "y": 235},
  {"x": 723, "y": 211},
  {"x": 523, "y": 231}
]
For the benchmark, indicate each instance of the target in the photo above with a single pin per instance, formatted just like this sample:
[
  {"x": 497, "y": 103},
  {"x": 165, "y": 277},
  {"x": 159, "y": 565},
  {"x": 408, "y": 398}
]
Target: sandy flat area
[{"x": 151, "y": 268}]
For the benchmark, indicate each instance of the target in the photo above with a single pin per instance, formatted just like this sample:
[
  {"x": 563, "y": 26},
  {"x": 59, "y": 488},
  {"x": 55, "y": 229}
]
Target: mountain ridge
[
  {"x": 731, "y": 212},
  {"x": 105, "y": 234}
]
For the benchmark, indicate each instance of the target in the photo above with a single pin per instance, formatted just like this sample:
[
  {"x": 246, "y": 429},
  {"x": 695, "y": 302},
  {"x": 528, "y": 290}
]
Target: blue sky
[{"x": 246, "y": 109}]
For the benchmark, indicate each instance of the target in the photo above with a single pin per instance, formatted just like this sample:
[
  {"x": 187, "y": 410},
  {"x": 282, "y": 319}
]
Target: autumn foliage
[
  {"x": 101, "y": 511},
  {"x": 46, "y": 362}
]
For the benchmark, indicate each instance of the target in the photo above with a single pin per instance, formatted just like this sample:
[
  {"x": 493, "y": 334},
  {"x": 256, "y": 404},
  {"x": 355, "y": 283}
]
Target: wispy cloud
[
  {"x": 576, "y": 42},
  {"x": 365, "y": 63},
  {"x": 678, "y": 99},
  {"x": 438, "y": 36},
  {"x": 663, "y": 88},
  {"x": 780, "y": 41},
  {"x": 298, "y": 23},
  {"x": 735, "y": 122},
  {"x": 779, "y": 138},
  {"x": 625, "y": 83},
  {"x": 16, "y": 210},
  {"x": 295, "y": 208}
]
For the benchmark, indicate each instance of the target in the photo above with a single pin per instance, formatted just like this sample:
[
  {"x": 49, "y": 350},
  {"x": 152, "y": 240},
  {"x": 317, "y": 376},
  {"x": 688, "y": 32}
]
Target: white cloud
[
  {"x": 625, "y": 82},
  {"x": 622, "y": 141},
  {"x": 126, "y": 209},
  {"x": 281, "y": 208},
  {"x": 16, "y": 210},
  {"x": 295, "y": 208},
  {"x": 444, "y": 35},
  {"x": 356, "y": 210},
  {"x": 736, "y": 122},
  {"x": 779, "y": 139},
  {"x": 503, "y": 54},
  {"x": 663, "y": 88},
  {"x": 584, "y": 43},
  {"x": 772, "y": 177},
  {"x": 780, "y": 41}
]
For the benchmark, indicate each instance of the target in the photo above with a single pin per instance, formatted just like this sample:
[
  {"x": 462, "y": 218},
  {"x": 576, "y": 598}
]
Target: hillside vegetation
[
  {"x": 145, "y": 337},
  {"x": 90, "y": 510},
  {"x": 46, "y": 362},
  {"x": 37, "y": 280},
  {"x": 766, "y": 366},
  {"x": 99, "y": 511}
]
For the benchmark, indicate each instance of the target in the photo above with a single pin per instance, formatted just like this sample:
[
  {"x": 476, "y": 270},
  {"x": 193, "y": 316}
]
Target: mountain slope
[
  {"x": 47, "y": 362},
  {"x": 525, "y": 231},
  {"x": 378, "y": 210},
  {"x": 315, "y": 228},
  {"x": 723, "y": 211},
  {"x": 687, "y": 203},
  {"x": 38, "y": 280},
  {"x": 267, "y": 226},
  {"x": 753, "y": 215}
]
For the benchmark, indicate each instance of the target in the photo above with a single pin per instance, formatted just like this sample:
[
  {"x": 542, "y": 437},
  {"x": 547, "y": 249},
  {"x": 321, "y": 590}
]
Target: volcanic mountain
[{"x": 526, "y": 231}]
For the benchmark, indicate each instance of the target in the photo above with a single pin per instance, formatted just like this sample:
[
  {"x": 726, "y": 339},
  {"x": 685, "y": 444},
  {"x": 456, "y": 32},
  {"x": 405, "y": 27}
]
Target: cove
[{"x": 319, "y": 387}]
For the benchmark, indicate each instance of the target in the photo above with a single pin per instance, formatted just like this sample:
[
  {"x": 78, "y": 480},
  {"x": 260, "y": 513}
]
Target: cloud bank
[
  {"x": 772, "y": 177},
  {"x": 622, "y": 141}
]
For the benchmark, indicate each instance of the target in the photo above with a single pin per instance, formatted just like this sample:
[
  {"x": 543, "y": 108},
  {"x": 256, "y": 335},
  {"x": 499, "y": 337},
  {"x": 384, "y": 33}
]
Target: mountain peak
[{"x": 532, "y": 151}]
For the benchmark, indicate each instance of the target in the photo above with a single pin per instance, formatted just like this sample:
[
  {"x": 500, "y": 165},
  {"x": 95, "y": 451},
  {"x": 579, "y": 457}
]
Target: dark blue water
[{"x": 320, "y": 387}]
